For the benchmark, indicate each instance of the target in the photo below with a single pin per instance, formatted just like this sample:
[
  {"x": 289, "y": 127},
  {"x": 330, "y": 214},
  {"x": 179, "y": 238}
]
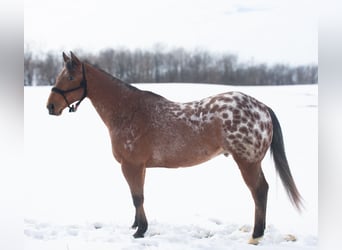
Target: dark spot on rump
[
  {"x": 254, "y": 102},
  {"x": 228, "y": 124},
  {"x": 247, "y": 140},
  {"x": 257, "y": 134},
  {"x": 263, "y": 108},
  {"x": 231, "y": 137},
  {"x": 227, "y": 99},
  {"x": 236, "y": 98},
  {"x": 244, "y": 119},
  {"x": 236, "y": 112},
  {"x": 256, "y": 115},
  {"x": 250, "y": 125},
  {"x": 236, "y": 121},
  {"x": 247, "y": 113},
  {"x": 239, "y": 106},
  {"x": 235, "y": 142},
  {"x": 241, "y": 147},
  {"x": 225, "y": 115},
  {"x": 243, "y": 130},
  {"x": 222, "y": 108},
  {"x": 262, "y": 126},
  {"x": 215, "y": 108}
]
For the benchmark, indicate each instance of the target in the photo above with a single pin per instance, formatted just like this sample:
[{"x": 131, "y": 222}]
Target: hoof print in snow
[
  {"x": 245, "y": 228},
  {"x": 290, "y": 237},
  {"x": 98, "y": 225}
]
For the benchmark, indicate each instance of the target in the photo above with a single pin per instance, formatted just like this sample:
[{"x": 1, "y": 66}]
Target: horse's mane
[
  {"x": 119, "y": 81},
  {"x": 112, "y": 77}
]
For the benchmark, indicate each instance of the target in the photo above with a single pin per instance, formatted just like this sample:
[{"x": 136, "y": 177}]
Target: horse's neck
[{"x": 108, "y": 95}]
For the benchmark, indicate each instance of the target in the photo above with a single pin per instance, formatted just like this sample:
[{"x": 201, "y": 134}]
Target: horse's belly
[{"x": 183, "y": 157}]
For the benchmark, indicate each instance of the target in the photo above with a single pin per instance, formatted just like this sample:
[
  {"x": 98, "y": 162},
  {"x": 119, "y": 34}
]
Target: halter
[{"x": 83, "y": 85}]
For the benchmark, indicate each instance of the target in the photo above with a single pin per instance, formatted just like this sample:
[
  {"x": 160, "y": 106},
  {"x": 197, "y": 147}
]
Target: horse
[{"x": 148, "y": 130}]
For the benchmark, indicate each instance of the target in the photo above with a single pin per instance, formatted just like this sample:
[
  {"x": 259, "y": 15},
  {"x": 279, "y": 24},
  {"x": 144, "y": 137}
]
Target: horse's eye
[{"x": 71, "y": 78}]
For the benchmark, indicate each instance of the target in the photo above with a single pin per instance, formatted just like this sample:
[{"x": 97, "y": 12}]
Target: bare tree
[
  {"x": 29, "y": 66},
  {"x": 48, "y": 69}
]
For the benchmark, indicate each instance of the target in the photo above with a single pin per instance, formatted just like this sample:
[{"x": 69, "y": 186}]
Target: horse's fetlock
[{"x": 138, "y": 200}]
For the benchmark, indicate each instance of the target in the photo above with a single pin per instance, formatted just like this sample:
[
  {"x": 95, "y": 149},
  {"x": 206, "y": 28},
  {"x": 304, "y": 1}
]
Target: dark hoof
[{"x": 138, "y": 235}]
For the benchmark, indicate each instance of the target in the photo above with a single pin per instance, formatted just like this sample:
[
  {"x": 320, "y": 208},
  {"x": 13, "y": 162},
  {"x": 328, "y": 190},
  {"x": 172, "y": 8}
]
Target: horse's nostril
[{"x": 51, "y": 108}]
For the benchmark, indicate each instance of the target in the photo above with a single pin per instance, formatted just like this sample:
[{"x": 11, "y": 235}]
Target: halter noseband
[{"x": 83, "y": 85}]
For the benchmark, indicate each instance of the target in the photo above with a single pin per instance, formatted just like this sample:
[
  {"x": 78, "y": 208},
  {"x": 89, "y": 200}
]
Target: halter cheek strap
[{"x": 83, "y": 85}]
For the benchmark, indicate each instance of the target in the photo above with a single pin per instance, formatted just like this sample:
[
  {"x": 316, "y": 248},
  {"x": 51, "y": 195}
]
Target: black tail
[{"x": 281, "y": 164}]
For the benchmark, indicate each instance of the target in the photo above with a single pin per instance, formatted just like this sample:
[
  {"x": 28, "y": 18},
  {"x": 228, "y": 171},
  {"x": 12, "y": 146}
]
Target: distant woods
[{"x": 175, "y": 65}]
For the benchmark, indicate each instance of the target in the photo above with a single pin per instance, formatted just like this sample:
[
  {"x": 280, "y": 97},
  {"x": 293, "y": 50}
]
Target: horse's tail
[{"x": 281, "y": 164}]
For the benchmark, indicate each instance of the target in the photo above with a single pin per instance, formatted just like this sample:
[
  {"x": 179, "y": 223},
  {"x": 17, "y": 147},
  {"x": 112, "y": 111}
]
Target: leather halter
[{"x": 83, "y": 85}]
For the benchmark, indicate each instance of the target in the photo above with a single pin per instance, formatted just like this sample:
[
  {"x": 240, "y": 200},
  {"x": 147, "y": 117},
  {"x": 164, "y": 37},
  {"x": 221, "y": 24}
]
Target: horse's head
[{"x": 70, "y": 86}]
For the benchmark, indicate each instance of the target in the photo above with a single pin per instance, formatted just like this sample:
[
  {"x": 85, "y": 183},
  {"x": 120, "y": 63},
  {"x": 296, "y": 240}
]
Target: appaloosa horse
[{"x": 147, "y": 130}]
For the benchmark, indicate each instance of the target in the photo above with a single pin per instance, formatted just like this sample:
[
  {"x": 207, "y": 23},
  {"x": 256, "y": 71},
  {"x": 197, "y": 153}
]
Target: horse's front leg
[{"x": 135, "y": 177}]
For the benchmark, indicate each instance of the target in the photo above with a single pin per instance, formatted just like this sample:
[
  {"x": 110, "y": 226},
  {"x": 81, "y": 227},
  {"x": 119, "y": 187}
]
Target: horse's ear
[
  {"x": 74, "y": 59},
  {"x": 65, "y": 57}
]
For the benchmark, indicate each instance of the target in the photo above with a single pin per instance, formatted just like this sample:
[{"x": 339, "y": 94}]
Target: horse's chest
[{"x": 129, "y": 143}]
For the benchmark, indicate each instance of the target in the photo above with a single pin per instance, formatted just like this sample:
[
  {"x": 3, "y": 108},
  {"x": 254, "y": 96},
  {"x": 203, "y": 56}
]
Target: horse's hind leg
[
  {"x": 256, "y": 182},
  {"x": 135, "y": 177}
]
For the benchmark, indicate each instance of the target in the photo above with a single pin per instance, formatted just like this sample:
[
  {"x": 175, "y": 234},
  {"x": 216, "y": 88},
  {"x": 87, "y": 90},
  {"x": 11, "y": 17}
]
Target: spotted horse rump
[
  {"x": 244, "y": 123},
  {"x": 148, "y": 130}
]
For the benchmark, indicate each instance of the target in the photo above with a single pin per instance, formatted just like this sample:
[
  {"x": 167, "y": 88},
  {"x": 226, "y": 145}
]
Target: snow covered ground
[{"x": 76, "y": 197}]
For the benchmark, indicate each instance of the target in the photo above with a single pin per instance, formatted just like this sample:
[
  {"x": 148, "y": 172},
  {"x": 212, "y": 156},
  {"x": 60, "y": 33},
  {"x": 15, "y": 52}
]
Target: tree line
[{"x": 175, "y": 65}]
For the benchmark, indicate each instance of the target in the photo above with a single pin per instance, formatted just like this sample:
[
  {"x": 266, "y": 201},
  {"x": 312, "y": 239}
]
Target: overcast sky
[{"x": 270, "y": 31}]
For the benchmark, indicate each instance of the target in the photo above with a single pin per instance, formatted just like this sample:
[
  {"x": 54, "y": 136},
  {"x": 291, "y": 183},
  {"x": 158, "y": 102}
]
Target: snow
[{"x": 77, "y": 198}]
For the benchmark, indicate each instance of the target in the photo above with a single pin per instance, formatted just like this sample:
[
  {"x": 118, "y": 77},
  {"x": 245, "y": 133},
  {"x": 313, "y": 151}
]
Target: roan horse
[{"x": 147, "y": 130}]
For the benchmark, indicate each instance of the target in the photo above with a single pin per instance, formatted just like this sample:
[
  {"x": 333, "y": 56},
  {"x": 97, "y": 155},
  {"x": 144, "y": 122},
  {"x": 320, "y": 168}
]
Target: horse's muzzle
[{"x": 51, "y": 109}]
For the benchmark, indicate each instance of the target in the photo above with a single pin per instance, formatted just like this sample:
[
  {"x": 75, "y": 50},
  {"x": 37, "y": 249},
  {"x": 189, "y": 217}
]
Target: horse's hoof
[
  {"x": 254, "y": 241},
  {"x": 138, "y": 235}
]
